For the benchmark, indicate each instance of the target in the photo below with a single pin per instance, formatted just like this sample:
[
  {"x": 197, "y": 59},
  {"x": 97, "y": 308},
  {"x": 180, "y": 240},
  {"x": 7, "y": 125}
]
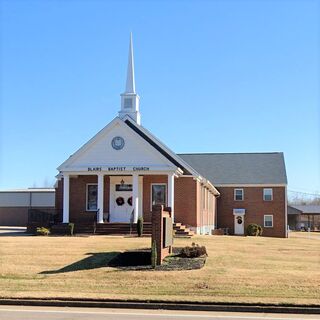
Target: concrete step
[{"x": 181, "y": 230}]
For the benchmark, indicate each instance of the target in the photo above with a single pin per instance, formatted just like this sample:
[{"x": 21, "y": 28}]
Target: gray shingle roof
[
  {"x": 239, "y": 168},
  {"x": 293, "y": 210},
  {"x": 308, "y": 208}
]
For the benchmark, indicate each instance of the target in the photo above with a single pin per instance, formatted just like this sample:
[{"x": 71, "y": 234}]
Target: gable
[{"x": 99, "y": 151}]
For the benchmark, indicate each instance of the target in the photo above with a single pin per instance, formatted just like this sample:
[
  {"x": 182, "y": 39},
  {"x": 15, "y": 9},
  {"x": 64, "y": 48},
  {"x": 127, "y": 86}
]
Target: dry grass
[{"x": 238, "y": 269}]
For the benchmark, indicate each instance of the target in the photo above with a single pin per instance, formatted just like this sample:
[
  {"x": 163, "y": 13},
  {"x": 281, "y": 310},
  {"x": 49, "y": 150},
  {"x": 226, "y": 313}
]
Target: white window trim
[
  {"x": 234, "y": 194},
  {"x": 264, "y": 194},
  {"x": 87, "y": 187},
  {"x": 158, "y": 184},
  {"x": 264, "y": 220}
]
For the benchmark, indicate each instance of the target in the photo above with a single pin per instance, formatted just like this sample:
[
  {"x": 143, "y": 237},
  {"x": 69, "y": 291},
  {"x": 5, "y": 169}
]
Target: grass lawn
[{"x": 238, "y": 269}]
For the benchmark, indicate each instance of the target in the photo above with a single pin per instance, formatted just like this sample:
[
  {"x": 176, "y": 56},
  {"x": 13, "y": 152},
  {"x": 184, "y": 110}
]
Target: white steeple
[
  {"x": 129, "y": 99},
  {"x": 130, "y": 86}
]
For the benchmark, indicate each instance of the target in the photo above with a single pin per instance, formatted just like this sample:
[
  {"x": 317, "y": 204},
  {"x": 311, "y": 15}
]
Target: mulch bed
[{"x": 140, "y": 260}]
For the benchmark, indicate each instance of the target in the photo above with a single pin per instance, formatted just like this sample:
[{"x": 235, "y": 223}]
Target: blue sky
[{"x": 213, "y": 76}]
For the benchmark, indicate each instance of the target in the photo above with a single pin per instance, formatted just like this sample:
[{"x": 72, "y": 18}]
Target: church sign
[{"x": 117, "y": 169}]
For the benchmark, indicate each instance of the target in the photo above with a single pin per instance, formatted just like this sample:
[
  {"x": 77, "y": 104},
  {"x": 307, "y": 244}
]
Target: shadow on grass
[
  {"x": 107, "y": 259},
  {"x": 93, "y": 261},
  {"x": 132, "y": 260}
]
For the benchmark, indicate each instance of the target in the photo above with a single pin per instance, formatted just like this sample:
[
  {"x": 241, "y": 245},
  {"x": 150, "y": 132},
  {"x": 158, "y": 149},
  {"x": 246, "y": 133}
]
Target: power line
[{"x": 305, "y": 193}]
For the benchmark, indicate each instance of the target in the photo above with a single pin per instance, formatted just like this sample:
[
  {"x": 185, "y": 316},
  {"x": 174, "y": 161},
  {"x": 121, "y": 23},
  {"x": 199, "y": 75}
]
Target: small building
[
  {"x": 124, "y": 169},
  {"x": 304, "y": 217},
  {"x": 15, "y": 204}
]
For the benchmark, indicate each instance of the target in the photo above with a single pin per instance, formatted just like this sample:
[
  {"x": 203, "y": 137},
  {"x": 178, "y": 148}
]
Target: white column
[
  {"x": 171, "y": 193},
  {"x": 66, "y": 186},
  {"x": 100, "y": 198},
  {"x": 135, "y": 196}
]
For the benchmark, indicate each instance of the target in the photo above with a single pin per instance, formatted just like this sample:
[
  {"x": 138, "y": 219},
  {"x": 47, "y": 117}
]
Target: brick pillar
[
  {"x": 66, "y": 194},
  {"x": 158, "y": 231}
]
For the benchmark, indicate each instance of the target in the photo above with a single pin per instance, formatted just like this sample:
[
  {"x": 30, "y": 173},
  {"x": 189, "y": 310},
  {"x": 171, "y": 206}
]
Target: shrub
[
  {"x": 42, "y": 231},
  {"x": 154, "y": 254},
  {"x": 71, "y": 228},
  {"x": 254, "y": 230},
  {"x": 194, "y": 251},
  {"x": 140, "y": 226}
]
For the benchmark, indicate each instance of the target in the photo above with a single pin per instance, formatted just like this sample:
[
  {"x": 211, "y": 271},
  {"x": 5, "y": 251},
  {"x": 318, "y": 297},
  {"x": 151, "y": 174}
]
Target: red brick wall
[
  {"x": 255, "y": 208},
  {"x": 185, "y": 202},
  {"x": 14, "y": 216},
  {"x": 146, "y": 196},
  {"x": 77, "y": 198},
  {"x": 78, "y": 191},
  {"x": 59, "y": 195},
  {"x": 106, "y": 194}
]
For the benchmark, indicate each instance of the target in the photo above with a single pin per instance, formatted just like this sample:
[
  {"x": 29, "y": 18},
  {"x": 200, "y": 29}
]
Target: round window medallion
[{"x": 117, "y": 143}]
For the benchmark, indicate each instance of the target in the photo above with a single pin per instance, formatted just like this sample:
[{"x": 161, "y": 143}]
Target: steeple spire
[
  {"x": 129, "y": 99},
  {"x": 130, "y": 85}
]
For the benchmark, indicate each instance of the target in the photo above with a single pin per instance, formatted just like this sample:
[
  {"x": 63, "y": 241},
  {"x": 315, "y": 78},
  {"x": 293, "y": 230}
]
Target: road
[
  {"x": 12, "y": 231},
  {"x": 51, "y": 313}
]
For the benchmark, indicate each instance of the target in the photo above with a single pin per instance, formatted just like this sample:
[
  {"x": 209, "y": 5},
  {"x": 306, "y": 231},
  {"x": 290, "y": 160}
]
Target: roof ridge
[{"x": 221, "y": 153}]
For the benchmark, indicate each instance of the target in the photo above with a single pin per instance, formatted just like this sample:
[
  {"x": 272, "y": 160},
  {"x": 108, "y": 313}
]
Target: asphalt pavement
[{"x": 51, "y": 313}]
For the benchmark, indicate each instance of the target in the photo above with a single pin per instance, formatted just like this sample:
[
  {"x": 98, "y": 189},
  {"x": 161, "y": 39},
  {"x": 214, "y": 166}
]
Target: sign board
[
  {"x": 167, "y": 232},
  {"x": 119, "y": 169}
]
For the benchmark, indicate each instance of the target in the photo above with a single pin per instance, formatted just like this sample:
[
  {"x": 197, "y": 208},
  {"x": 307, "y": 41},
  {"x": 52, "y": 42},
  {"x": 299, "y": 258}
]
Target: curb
[{"x": 187, "y": 306}]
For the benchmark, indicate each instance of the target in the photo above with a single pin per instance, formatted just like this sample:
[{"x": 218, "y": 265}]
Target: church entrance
[{"x": 122, "y": 205}]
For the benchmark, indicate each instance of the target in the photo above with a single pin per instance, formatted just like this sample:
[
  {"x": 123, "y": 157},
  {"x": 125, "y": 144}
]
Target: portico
[{"x": 121, "y": 199}]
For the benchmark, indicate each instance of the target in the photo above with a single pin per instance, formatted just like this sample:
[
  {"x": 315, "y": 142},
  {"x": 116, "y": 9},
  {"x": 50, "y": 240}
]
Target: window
[
  {"x": 127, "y": 103},
  {"x": 238, "y": 194},
  {"x": 158, "y": 194},
  {"x": 268, "y": 220},
  {"x": 267, "y": 194},
  {"x": 92, "y": 197}
]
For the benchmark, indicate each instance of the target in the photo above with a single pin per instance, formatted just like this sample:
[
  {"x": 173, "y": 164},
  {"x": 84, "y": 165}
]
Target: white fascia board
[
  {"x": 28, "y": 190},
  {"x": 120, "y": 170},
  {"x": 206, "y": 183},
  {"x": 75, "y": 173},
  {"x": 163, "y": 146},
  {"x": 235, "y": 185},
  {"x": 213, "y": 189}
]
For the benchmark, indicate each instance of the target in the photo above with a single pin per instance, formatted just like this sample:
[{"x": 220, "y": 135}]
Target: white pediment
[{"x": 99, "y": 152}]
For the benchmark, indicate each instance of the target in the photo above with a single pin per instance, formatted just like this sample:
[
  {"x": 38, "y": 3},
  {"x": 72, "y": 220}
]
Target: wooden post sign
[{"x": 162, "y": 231}]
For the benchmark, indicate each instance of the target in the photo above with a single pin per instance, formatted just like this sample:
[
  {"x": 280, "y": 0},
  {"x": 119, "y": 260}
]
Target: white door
[
  {"x": 121, "y": 208},
  {"x": 238, "y": 224}
]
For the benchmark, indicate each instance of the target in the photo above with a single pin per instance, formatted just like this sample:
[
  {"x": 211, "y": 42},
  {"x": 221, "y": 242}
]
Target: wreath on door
[
  {"x": 239, "y": 220},
  {"x": 129, "y": 201},
  {"x": 120, "y": 201}
]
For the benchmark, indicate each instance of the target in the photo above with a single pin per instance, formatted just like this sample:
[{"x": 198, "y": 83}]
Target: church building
[{"x": 124, "y": 169}]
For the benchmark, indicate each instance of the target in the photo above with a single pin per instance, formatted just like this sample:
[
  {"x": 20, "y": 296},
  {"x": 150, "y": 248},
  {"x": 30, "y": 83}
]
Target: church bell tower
[{"x": 129, "y": 99}]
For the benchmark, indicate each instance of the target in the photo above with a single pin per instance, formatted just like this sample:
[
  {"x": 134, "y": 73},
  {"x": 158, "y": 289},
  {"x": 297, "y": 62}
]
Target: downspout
[
  {"x": 286, "y": 212},
  {"x": 216, "y": 212}
]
